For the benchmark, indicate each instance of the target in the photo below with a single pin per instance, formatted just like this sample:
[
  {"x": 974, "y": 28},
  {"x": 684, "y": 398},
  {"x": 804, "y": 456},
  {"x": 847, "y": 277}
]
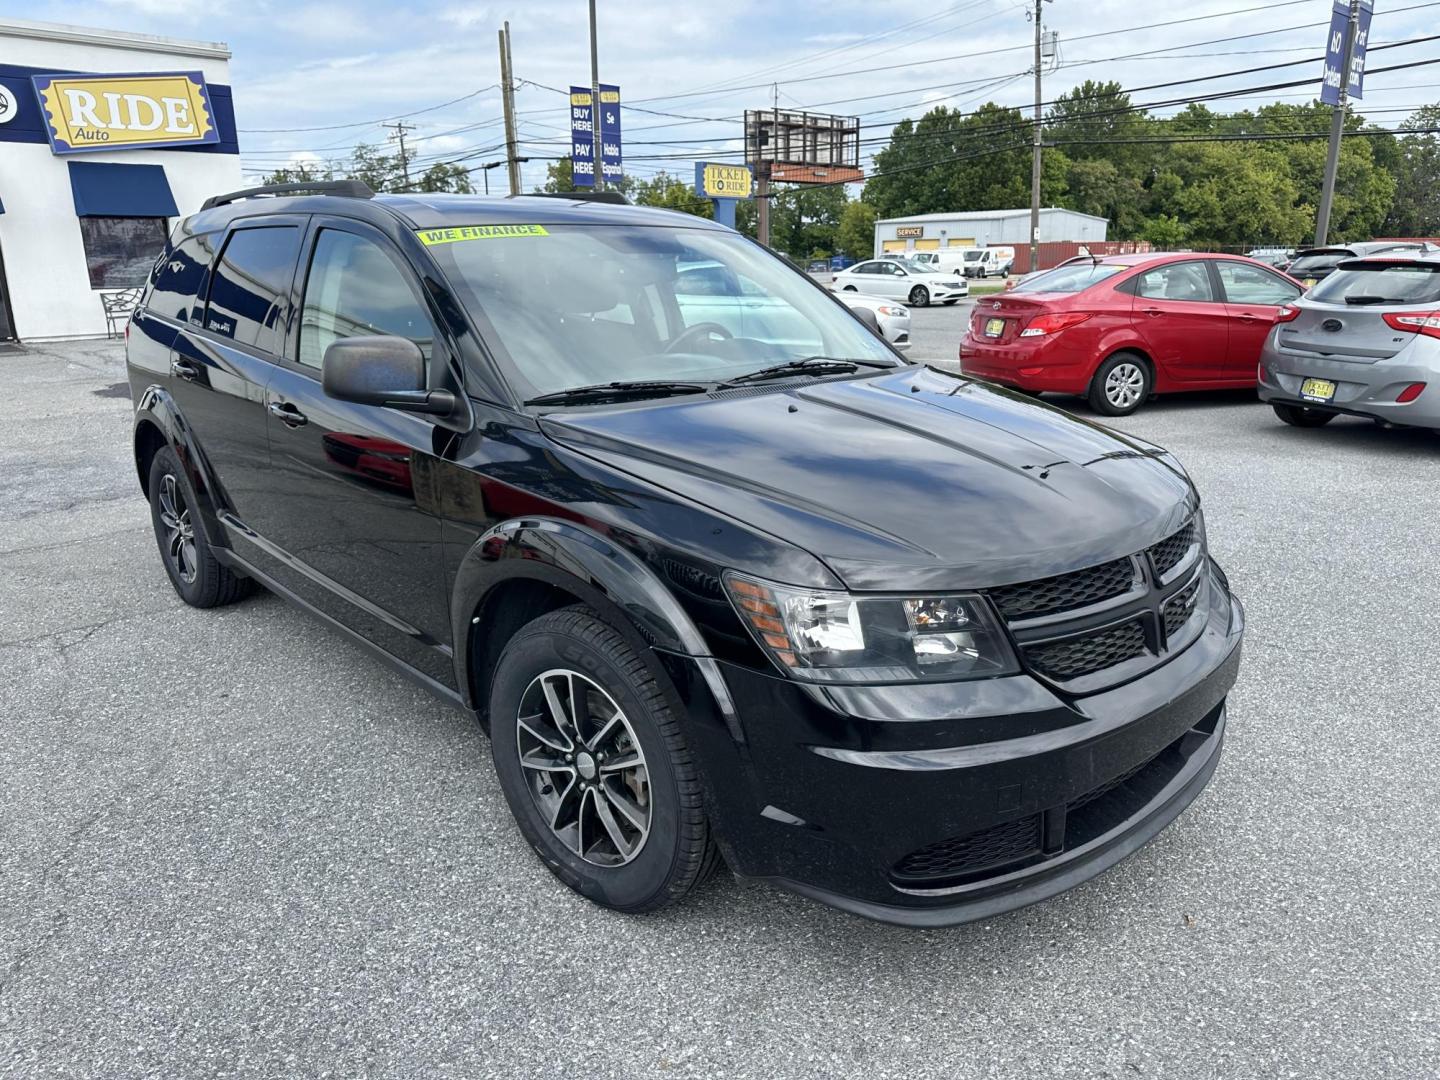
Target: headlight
[
  {"x": 825, "y": 636},
  {"x": 890, "y": 309}
]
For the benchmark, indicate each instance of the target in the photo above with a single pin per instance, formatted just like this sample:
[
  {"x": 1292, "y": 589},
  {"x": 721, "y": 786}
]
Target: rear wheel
[
  {"x": 593, "y": 764},
  {"x": 851, "y": 288},
  {"x": 1121, "y": 384},
  {"x": 201, "y": 580},
  {"x": 1299, "y": 416},
  {"x": 919, "y": 296}
]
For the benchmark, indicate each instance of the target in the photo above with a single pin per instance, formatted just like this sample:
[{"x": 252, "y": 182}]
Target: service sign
[
  {"x": 723, "y": 181},
  {"x": 910, "y": 232},
  {"x": 125, "y": 112}
]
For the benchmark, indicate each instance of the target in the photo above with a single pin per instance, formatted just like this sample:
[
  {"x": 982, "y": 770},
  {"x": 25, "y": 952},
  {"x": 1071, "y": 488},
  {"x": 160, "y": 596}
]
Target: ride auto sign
[{"x": 125, "y": 112}]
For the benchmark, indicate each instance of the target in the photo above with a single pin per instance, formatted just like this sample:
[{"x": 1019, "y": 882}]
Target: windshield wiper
[
  {"x": 807, "y": 365},
  {"x": 617, "y": 391},
  {"x": 1372, "y": 300}
]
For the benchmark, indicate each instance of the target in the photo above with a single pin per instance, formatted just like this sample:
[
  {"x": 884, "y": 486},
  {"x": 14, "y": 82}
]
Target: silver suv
[{"x": 1365, "y": 341}]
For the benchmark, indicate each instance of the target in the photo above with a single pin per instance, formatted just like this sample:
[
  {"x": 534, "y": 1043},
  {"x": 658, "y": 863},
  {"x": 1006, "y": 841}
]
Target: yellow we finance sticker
[{"x": 431, "y": 237}]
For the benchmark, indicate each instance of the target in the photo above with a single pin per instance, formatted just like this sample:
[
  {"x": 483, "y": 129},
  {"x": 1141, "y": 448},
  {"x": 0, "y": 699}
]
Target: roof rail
[
  {"x": 615, "y": 197},
  {"x": 354, "y": 189}
]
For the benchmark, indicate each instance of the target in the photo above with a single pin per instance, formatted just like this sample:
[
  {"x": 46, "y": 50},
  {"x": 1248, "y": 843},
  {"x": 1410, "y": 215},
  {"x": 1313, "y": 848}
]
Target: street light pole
[{"x": 1337, "y": 130}]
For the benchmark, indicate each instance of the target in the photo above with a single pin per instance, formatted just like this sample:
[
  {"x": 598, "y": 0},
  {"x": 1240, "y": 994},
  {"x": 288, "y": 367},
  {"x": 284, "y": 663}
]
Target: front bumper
[
  {"x": 1361, "y": 389},
  {"x": 841, "y": 793}
]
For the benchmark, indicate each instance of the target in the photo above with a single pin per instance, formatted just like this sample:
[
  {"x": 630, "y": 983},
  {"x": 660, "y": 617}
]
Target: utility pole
[
  {"x": 1337, "y": 130},
  {"x": 400, "y": 130},
  {"x": 595, "y": 103},
  {"x": 507, "y": 96},
  {"x": 762, "y": 172},
  {"x": 1035, "y": 151}
]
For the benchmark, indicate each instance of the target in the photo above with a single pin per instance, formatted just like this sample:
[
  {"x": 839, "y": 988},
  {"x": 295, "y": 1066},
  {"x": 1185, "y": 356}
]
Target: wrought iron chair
[{"x": 118, "y": 306}]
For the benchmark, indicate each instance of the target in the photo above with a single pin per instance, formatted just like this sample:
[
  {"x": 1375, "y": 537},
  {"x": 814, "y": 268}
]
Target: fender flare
[
  {"x": 587, "y": 564},
  {"x": 158, "y": 409}
]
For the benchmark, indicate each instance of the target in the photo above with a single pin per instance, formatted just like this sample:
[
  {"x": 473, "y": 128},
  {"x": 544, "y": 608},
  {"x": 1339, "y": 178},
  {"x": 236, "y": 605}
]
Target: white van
[{"x": 989, "y": 261}]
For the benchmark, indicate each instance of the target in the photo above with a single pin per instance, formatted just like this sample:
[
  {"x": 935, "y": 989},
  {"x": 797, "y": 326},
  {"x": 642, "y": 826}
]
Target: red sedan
[{"x": 1119, "y": 328}]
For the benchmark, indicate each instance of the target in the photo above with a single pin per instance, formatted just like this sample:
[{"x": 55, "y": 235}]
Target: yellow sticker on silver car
[
  {"x": 431, "y": 237},
  {"x": 1317, "y": 390}
]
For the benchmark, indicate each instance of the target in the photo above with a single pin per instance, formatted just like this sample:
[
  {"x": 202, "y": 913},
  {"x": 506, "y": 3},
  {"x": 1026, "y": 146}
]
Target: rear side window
[
  {"x": 353, "y": 290},
  {"x": 247, "y": 290},
  {"x": 178, "y": 278},
  {"x": 1377, "y": 283},
  {"x": 1319, "y": 263}
]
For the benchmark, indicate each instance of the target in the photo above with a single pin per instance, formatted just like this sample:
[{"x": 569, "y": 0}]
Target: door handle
[
  {"x": 288, "y": 414},
  {"x": 1152, "y": 311},
  {"x": 1246, "y": 316},
  {"x": 184, "y": 369}
]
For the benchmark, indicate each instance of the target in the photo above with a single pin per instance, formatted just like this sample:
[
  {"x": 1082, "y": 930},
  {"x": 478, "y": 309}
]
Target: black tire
[
  {"x": 850, "y": 288},
  {"x": 981, "y": 273},
  {"x": 200, "y": 579},
  {"x": 1299, "y": 416},
  {"x": 1122, "y": 383},
  {"x": 676, "y": 852},
  {"x": 919, "y": 296}
]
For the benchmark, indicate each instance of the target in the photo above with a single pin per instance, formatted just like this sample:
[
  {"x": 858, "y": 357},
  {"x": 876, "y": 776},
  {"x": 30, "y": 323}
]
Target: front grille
[
  {"x": 960, "y": 856},
  {"x": 1064, "y": 592},
  {"x": 1168, "y": 552},
  {"x": 1180, "y": 607},
  {"x": 1077, "y": 656}
]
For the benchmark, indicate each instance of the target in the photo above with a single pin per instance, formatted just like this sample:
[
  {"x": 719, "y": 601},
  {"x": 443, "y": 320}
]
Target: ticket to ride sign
[{"x": 123, "y": 112}]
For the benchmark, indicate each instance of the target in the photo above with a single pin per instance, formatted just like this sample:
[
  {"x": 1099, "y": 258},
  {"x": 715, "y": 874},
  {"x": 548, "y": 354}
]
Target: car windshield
[
  {"x": 580, "y": 305},
  {"x": 1069, "y": 279},
  {"x": 974, "y": 256},
  {"x": 1358, "y": 283}
]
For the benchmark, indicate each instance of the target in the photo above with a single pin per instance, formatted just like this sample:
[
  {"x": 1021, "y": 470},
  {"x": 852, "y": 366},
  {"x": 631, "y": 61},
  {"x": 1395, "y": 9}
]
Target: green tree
[
  {"x": 855, "y": 233},
  {"x": 804, "y": 218},
  {"x": 300, "y": 173},
  {"x": 559, "y": 177},
  {"x": 446, "y": 177},
  {"x": 1415, "y": 210},
  {"x": 672, "y": 193}
]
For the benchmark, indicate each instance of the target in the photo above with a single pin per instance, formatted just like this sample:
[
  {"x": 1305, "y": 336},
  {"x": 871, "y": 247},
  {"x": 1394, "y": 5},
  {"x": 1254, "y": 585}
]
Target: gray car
[{"x": 1365, "y": 341}]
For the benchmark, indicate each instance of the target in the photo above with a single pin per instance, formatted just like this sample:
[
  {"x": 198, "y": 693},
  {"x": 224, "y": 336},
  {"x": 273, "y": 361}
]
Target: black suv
[{"x": 721, "y": 574}]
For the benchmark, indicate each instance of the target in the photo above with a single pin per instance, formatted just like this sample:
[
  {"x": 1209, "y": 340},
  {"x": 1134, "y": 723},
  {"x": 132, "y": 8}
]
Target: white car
[
  {"x": 901, "y": 279},
  {"x": 893, "y": 318}
]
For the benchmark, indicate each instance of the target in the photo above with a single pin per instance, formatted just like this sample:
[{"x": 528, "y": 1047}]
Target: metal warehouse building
[
  {"x": 985, "y": 228},
  {"x": 105, "y": 139}
]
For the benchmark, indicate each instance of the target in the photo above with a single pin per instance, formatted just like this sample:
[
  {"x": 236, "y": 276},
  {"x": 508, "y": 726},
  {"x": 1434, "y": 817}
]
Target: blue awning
[{"x": 106, "y": 190}]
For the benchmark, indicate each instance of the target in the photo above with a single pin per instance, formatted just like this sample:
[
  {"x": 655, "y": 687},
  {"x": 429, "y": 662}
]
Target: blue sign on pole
[
  {"x": 1335, "y": 51},
  {"x": 582, "y": 136},
  {"x": 611, "y": 162}
]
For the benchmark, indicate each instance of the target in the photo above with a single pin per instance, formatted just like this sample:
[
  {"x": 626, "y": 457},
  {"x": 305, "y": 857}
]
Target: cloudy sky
[{"x": 312, "y": 79}]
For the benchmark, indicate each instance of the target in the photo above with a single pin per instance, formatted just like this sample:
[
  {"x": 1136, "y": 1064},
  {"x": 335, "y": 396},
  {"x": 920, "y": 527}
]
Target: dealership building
[
  {"x": 106, "y": 138},
  {"x": 985, "y": 228}
]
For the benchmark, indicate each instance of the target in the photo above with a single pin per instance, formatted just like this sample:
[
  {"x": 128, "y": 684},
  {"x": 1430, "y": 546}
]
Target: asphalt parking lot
[{"x": 231, "y": 845}]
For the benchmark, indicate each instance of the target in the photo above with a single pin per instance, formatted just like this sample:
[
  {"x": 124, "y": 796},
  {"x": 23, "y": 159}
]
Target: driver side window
[{"x": 353, "y": 289}]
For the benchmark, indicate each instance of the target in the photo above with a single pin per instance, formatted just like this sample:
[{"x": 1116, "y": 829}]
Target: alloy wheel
[
  {"x": 179, "y": 529},
  {"x": 1124, "y": 386},
  {"x": 583, "y": 767}
]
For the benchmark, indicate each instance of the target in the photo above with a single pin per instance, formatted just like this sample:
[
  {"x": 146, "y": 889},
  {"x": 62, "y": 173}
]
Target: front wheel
[
  {"x": 1120, "y": 385},
  {"x": 1299, "y": 416},
  {"x": 594, "y": 766},
  {"x": 199, "y": 578},
  {"x": 919, "y": 296},
  {"x": 851, "y": 288}
]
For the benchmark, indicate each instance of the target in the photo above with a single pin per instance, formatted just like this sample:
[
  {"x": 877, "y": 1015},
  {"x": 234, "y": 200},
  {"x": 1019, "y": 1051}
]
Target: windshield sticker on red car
[{"x": 431, "y": 237}]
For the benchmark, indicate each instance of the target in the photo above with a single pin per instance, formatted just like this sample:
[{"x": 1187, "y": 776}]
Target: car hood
[{"x": 908, "y": 479}]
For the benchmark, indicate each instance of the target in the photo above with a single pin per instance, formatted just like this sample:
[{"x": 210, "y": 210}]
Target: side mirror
[{"x": 382, "y": 370}]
